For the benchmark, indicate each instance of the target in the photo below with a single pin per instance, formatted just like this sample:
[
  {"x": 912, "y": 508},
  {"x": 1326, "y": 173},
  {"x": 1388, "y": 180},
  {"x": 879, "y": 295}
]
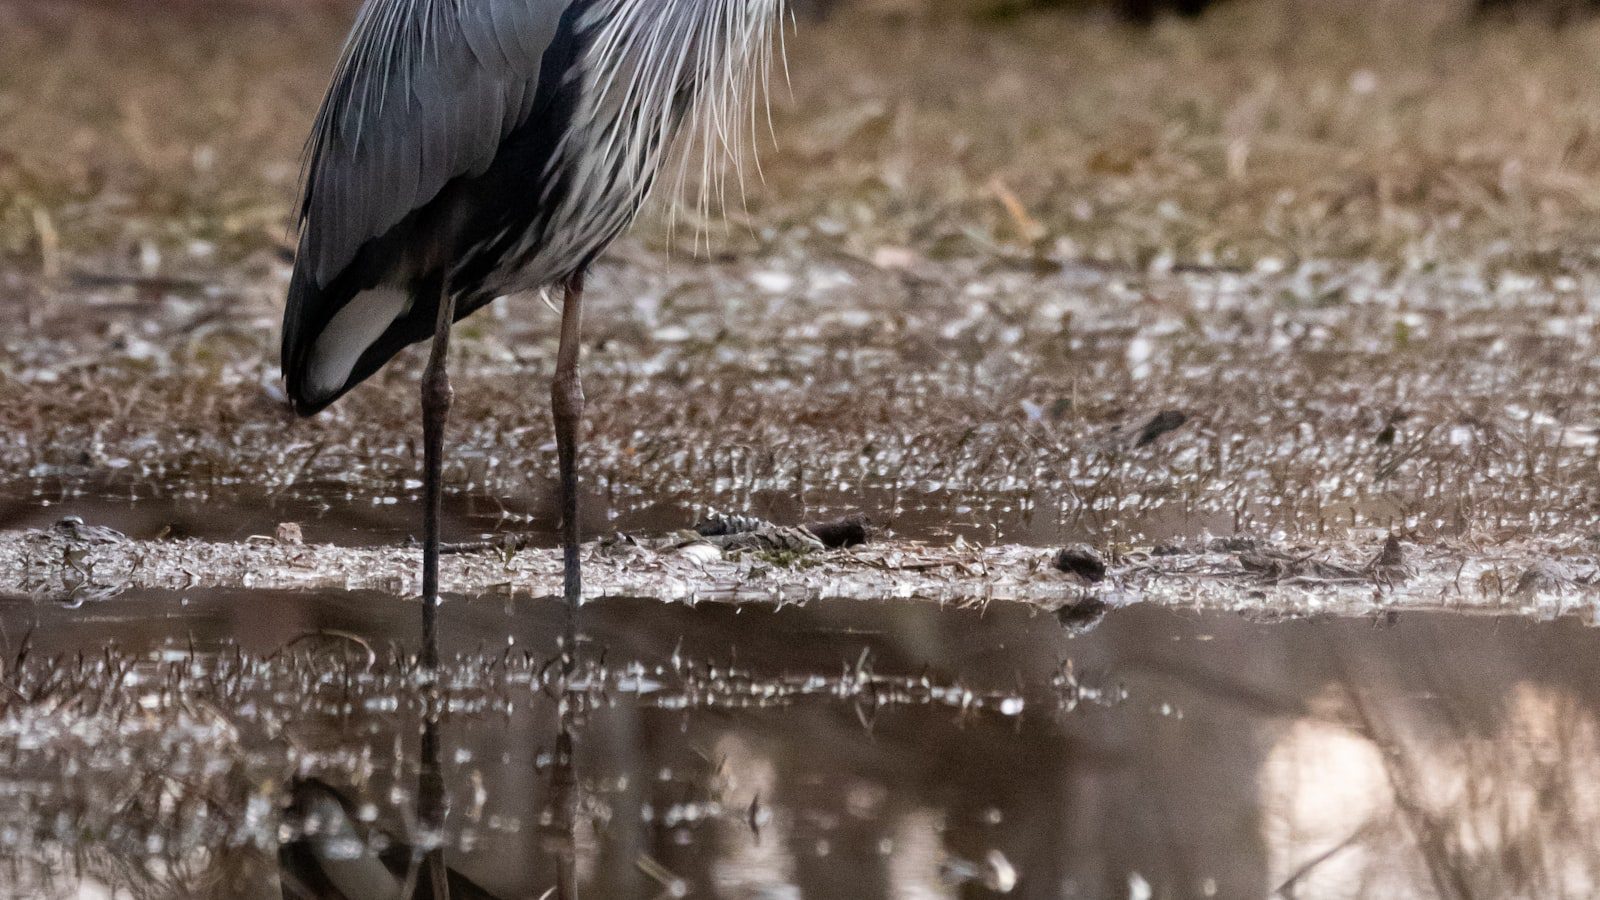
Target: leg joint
[
  {"x": 566, "y": 395},
  {"x": 436, "y": 390}
]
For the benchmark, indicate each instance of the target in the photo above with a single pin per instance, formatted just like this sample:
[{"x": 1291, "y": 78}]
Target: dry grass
[{"x": 1355, "y": 129}]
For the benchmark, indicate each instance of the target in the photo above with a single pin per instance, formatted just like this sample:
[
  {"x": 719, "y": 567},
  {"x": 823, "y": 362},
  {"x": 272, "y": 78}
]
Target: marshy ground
[{"x": 1289, "y": 312}]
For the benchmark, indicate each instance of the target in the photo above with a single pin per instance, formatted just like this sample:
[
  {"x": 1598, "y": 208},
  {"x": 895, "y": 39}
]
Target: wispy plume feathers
[{"x": 664, "y": 76}]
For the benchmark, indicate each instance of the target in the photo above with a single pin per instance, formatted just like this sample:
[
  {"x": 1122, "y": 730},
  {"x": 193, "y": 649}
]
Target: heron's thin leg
[
  {"x": 566, "y": 402},
  {"x": 436, "y": 397},
  {"x": 566, "y": 396}
]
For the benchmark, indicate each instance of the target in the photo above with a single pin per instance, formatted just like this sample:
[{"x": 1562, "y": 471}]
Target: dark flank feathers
[{"x": 429, "y": 157}]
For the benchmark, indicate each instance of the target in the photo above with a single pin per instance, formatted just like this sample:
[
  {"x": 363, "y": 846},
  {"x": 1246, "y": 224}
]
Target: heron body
[
  {"x": 496, "y": 146},
  {"x": 469, "y": 149},
  {"x": 473, "y": 148}
]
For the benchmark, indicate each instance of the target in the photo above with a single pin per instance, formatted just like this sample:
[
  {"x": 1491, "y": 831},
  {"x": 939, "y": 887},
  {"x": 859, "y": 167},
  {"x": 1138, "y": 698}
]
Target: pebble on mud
[
  {"x": 1168, "y": 420},
  {"x": 1542, "y": 576},
  {"x": 1390, "y": 563},
  {"x": 701, "y": 552},
  {"x": 1081, "y": 560},
  {"x": 849, "y": 531}
]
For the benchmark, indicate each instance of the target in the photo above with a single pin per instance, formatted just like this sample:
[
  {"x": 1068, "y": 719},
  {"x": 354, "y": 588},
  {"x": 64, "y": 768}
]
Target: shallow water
[
  {"x": 334, "y": 514},
  {"x": 827, "y": 750}
]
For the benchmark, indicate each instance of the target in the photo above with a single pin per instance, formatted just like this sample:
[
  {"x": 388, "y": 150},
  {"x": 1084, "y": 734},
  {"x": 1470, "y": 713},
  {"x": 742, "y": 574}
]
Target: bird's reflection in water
[
  {"x": 561, "y": 831},
  {"x": 337, "y": 857}
]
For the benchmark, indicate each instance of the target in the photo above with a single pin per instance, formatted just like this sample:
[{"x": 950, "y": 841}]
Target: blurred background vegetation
[{"x": 165, "y": 136}]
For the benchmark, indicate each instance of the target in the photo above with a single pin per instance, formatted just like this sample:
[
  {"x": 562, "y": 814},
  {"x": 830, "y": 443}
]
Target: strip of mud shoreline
[{"x": 1253, "y": 577}]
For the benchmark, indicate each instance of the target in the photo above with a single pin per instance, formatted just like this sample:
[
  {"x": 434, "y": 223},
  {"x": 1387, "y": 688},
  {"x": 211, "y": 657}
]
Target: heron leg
[
  {"x": 566, "y": 402},
  {"x": 436, "y": 398}
]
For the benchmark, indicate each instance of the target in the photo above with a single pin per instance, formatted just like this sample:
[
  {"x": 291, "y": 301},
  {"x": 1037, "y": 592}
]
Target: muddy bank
[
  {"x": 1540, "y": 578},
  {"x": 999, "y": 405},
  {"x": 1363, "y": 275}
]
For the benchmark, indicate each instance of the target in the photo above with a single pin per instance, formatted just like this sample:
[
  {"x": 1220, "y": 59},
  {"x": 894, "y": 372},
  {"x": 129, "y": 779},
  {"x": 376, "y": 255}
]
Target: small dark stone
[
  {"x": 1081, "y": 560},
  {"x": 1543, "y": 575},
  {"x": 1145, "y": 12},
  {"x": 1161, "y": 423},
  {"x": 1391, "y": 427},
  {"x": 845, "y": 532}
]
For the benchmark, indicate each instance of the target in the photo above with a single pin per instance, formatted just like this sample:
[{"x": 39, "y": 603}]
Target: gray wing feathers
[{"x": 425, "y": 92}]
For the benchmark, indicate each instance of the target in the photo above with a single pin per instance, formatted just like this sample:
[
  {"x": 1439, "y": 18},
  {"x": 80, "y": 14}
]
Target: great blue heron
[{"x": 469, "y": 149}]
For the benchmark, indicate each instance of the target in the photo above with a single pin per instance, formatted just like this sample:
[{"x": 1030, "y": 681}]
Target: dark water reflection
[{"x": 833, "y": 750}]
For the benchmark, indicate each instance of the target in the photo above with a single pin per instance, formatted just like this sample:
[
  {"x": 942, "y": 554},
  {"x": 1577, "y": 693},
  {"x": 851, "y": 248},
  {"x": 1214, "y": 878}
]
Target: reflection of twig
[
  {"x": 49, "y": 245},
  {"x": 1447, "y": 878},
  {"x": 672, "y": 884},
  {"x": 1221, "y": 687},
  {"x": 358, "y": 640},
  {"x": 409, "y": 888},
  {"x": 1286, "y": 890}
]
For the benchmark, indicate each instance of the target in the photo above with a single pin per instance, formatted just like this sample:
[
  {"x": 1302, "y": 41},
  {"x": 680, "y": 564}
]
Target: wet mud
[{"x": 73, "y": 563}]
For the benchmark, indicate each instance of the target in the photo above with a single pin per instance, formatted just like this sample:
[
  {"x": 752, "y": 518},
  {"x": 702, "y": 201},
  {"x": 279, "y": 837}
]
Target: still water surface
[{"x": 175, "y": 745}]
